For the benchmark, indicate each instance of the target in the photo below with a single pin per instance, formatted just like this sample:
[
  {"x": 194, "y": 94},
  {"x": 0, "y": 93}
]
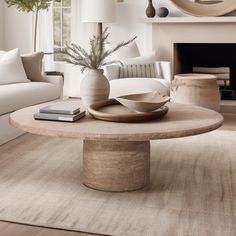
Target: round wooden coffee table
[{"x": 116, "y": 156}]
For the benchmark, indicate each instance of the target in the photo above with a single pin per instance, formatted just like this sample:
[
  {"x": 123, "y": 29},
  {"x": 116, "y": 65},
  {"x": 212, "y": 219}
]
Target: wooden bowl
[
  {"x": 145, "y": 102},
  {"x": 112, "y": 110}
]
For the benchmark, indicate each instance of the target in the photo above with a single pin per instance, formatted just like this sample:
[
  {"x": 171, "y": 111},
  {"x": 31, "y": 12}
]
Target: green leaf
[{"x": 29, "y": 5}]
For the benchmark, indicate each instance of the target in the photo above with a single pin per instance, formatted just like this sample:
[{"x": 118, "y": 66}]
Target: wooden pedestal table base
[
  {"x": 116, "y": 166},
  {"x": 117, "y": 155}
]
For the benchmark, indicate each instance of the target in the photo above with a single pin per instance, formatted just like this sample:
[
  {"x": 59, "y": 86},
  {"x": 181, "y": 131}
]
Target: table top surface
[
  {"x": 181, "y": 121},
  {"x": 195, "y": 76}
]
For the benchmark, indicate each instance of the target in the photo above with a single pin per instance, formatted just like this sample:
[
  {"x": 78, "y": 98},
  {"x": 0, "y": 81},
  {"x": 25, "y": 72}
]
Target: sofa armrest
[
  {"x": 54, "y": 73},
  {"x": 111, "y": 72},
  {"x": 164, "y": 70},
  {"x": 56, "y": 80}
]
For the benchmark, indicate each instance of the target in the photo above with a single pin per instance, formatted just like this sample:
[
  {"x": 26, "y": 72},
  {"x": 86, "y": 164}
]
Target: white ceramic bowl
[{"x": 145, "y": 102}]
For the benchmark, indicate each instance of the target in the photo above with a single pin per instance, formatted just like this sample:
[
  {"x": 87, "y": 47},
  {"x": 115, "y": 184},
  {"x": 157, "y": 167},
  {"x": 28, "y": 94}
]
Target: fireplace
[
  {"x": 192, "y": 57},
  {"x": 216, "y": 35}
]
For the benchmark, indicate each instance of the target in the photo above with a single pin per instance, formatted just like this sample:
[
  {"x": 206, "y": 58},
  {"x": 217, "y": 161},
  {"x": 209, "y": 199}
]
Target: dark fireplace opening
[{"x": 196, "y": 56}]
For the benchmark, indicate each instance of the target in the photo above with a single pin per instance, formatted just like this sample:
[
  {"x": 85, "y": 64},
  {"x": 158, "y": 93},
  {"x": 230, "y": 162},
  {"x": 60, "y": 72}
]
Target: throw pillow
[
  {"x": 144, "y": 67},
  {"x": 33, "y": 66},
  {"x": 149, "y": 59},
  {"x": 11, "y": 68},
  {"x": 138, "y": 71},
  {"x": 129, "y": 51},
  {"x": 112, "y": 71}
]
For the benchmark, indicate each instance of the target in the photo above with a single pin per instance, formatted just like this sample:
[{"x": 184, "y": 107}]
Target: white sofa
[
  {"x": 19, "y": 95},
  {"x": 125, "y": 86}
]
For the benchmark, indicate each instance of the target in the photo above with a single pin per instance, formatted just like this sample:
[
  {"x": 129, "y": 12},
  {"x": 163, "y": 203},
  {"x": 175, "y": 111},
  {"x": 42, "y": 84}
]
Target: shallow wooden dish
[
  {"x": 144, "y": 102},
  {"x": 112, "y": 110}
]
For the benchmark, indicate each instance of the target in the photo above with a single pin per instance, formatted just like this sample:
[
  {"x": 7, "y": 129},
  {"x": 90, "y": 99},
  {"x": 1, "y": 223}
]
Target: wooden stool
[{"x": 196, "y": 89}]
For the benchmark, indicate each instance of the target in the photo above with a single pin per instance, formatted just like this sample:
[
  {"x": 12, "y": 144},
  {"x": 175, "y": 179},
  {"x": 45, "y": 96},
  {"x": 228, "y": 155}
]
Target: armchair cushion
[{"x": 33, "y": 66}]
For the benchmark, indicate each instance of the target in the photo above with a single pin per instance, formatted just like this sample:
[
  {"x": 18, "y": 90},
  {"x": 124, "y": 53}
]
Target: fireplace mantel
[
  {"x": 180, "y": 20},
  {"x": 163, "y": 33}
]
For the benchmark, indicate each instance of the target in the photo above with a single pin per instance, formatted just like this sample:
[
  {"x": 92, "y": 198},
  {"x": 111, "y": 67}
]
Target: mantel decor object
[
  {"x": 150, "y": 11},
  {"x": 162, "y": 12},
  {"x": 206, "y": 7}
]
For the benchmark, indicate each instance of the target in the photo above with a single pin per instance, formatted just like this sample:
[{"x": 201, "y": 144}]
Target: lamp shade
[{"x": 98, "y": 11}]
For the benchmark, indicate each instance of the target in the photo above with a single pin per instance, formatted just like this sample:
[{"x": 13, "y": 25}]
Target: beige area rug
[{"x": 192, "y": 191}]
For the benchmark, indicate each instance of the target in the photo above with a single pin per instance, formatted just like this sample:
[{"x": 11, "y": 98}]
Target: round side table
[{"x": 196, "y": 89}]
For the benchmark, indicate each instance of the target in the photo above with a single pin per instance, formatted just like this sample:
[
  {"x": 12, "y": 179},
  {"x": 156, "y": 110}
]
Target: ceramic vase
[
  {"x": 94, "y": 87},
  {"x": 150, "y": 11}
]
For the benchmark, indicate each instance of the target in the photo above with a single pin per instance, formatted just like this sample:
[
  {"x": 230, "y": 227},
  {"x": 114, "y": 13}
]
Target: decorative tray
[{"x": 112, "y": 110}]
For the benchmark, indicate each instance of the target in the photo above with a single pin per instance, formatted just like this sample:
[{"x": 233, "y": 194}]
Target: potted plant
[
  {"x": 94, "y": 86},
  {"x": 31, "y": 6}
]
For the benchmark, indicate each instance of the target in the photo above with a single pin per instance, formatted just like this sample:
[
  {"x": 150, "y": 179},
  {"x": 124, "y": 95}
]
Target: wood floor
[{"x": 11, "y": 229}]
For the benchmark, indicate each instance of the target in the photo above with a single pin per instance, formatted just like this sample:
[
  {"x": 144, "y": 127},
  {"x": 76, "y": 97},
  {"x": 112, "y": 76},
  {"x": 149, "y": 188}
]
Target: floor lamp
[{"x": 98, "y": 11}]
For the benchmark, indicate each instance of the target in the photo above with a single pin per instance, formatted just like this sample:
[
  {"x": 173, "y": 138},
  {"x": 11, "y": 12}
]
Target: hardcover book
[
  {"x": 59, "y": 117},
  {"x": 61, "y": 109}
]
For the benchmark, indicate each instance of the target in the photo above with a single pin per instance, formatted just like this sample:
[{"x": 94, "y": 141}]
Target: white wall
[
  {"x": 17, "y": 30},
  {"x": 18, "y": 25},
  {"x": 1, "y": 25},
  {"x": 128, "y": 22}
]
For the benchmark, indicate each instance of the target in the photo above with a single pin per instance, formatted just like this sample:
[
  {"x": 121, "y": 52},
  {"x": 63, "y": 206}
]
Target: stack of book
[
  {"x": 222, "y": 74},
  {"x": 68, "y": 113}
]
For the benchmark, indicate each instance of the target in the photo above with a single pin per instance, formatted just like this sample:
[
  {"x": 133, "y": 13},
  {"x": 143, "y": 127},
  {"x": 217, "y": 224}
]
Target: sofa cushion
[
  {"x": 33, "y": 66},
  {"x": 11, "y": 68},
  {"x": 20, "y": 95},
  {"x": 128, "y": 86}
]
